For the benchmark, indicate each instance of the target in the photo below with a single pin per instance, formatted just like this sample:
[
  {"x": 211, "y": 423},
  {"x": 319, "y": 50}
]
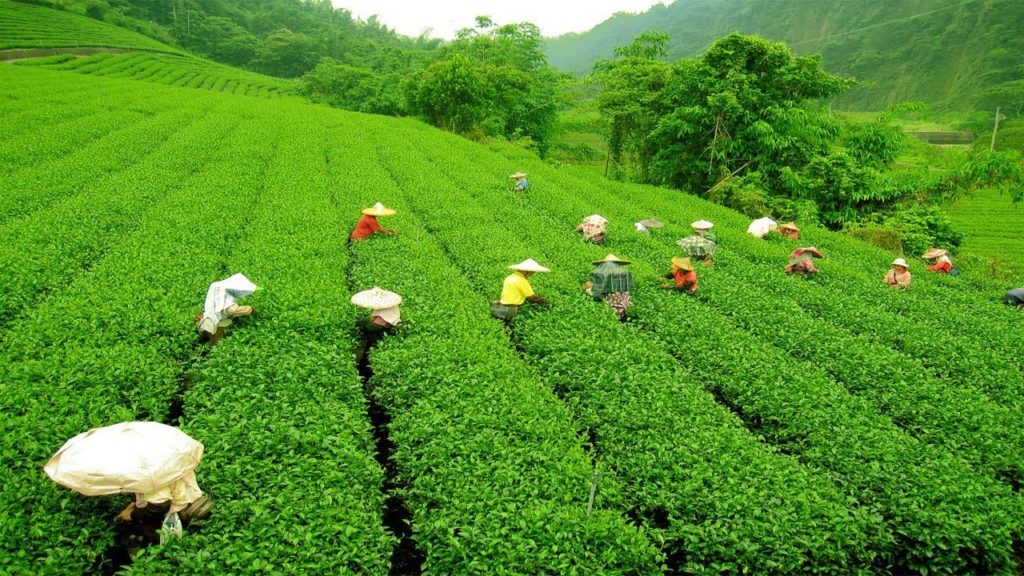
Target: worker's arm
[{"x": 536, "y": 299}]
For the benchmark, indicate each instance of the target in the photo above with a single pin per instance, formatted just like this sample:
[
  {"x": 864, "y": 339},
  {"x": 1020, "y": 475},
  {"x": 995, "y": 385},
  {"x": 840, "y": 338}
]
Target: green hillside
[
  {"x": 943, "y": 53},
  {"x": 174, "y": 70},
  {"x": 801, "y": 424},
  {"x": 29, "y": 26}
]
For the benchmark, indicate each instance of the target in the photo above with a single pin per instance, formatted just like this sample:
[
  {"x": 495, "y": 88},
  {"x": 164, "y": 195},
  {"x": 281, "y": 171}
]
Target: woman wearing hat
[
  {"x": 368, "y": 225},
  {"x": 942, "y": 264},
  {"x": 517, "y": 289},
  {"x": 593, "y": 228},
  {"x": 384, "y": 306},
  {"x": 700, "y": 245},
  {"x": 899, "y": 275},
  {"x": 789, "y": 230},
  {"x": 801, "y": 260},
  {"x": 683, "y": 275},
  {"x": 645, "y": 226},
  {"x": 611, "y": 282},
  {"x": 521, "y": 183},
  {"x": 1014, "y": 297}
]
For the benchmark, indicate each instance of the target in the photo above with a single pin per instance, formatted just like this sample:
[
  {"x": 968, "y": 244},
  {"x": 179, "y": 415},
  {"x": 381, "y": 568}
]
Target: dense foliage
[
  {"x": 491, "y": 80},
  {"x": 955, "y": 54}
]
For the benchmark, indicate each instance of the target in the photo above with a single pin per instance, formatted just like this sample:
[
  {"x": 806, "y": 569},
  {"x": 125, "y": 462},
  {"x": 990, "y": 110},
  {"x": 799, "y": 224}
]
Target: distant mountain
[{"x": 944, "y": 52}]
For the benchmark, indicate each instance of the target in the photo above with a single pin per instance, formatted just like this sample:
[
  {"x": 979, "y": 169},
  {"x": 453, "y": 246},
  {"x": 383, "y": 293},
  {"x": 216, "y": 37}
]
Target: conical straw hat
[
  {"x": 682, "y": 264},
  {"x": 702, "y": 225},
  {"x": 529, "y": 265},
  {"x": 900, "y": 262},
  {"x": 378, "y": 210},
  {"x": 376, "y": 298},
  {"x": 611, "y": 258},
  {"x": 518, "y": 175},
  {"x": 934, "y": 253},
  {"x": 789, "y": 226},
  {"x": 651, "y": 223}
]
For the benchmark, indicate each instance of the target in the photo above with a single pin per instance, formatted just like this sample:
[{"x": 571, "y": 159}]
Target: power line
[{"x": 904, "y": 19}]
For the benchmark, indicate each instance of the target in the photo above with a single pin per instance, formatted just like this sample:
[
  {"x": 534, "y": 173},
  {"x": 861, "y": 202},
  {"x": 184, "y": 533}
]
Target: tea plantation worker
[
  {"x": 521, "y": 184},
  {"x": 899, "y": 275},
  {"x": 611, "y": 282},
  {"x": 368, "y": 226},
  {"x": 789, "y": 230},
  {"x": 942, "y": 264},
  {"x": 517, "y": 289},
  {"x": 221, "y": 307},
  {"x": 593, "y": 228},
  {"x": 645, "y": 226},
  {"x": 700, "y": 245},
  {"x": 683, "y": 275},
  {"x": 801, "y": 260},
  {"x": 384, "y": 315},
  {"x": 154, "y": 461},
  {"x": 1015, "y": 297},
  {"x": 761, "y": 227}
]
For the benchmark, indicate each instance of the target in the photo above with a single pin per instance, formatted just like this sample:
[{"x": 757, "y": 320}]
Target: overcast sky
[{"x": 554, "y": 17}]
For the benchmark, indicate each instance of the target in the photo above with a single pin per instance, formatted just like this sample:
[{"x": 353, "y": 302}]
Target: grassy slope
[
  {"x": 993, "y": 226},
  {"x": 30, "y": 26}
]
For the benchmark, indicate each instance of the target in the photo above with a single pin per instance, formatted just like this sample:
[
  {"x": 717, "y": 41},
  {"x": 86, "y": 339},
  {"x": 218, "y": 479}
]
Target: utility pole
[{"x": 992, "y": 145}]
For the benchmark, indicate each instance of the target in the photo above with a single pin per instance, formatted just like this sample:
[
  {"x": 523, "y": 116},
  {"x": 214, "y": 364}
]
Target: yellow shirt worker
[{"x": 516, "y": 290}]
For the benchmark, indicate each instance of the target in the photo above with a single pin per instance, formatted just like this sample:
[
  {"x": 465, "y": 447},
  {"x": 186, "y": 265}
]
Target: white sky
[{"x": 554, "y": 17}]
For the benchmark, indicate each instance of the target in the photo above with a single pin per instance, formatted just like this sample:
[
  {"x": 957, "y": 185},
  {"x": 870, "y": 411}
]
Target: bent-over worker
[
  {"x": 899, "y": 275},
  {"x": 801, "y": 260},
  {"x": 700, "y": 245},
  {"x": 1014, "y": 297},
  {"x": 761, "y": 227},
  {"x": 384, "y": 315},
  {"x": 221, "y": 307},
  {"x": 521, "y": 184},
  {"x": 611, "y": 282},
  {"x": 683, "y": 275},
  {"x": 517, "y": 290},
  {"x": 593, "y": 228},
  {"x": 942, "y": 264},
  {"x": 368, "y": 225},
  {"x": 789, "y": 230},
  {"x": 645, "y": 226}
]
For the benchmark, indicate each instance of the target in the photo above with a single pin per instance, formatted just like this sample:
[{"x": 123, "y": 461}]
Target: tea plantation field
[{"x": 769, "y": 425}]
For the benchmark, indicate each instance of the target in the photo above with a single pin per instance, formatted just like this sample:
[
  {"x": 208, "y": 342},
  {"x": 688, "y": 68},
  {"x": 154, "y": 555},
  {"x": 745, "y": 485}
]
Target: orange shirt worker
[
  {"x": 683, "y": 276},
  {"x": 368, "y": 225}
]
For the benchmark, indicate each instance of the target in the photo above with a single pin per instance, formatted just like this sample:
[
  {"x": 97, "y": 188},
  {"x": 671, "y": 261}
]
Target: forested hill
[{"x": 937, "y": 51}]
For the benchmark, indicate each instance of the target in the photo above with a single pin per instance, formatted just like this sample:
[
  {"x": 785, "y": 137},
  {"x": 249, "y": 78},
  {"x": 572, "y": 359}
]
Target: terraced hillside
[
  {"x": 173, "y": 70},
  {"x": 30, "y": 26},
  {"x": 769, "y": 425}
]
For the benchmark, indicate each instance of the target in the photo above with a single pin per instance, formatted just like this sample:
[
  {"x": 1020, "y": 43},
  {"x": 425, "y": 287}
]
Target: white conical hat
[
  {"x": 518, "y": 175},
  {"x": 650, "y": 223},
  {"x": 702, "y": 225},
  {"x": 934, "y": 253},
  {"x": 900, "y": 262},
  {"x": 529, "y": 265},
  {"x": 378, "y": 210},
  {"x": 376, "y": 298}
]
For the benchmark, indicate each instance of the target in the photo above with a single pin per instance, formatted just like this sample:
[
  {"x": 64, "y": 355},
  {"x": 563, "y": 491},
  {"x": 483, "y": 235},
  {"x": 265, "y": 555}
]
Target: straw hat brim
[
  {"x": 702, "y": 225},
  {"x": 651, "y": 223},
  {"x": 900, "y": 262},
  {"x": 682, "y": 264},
  {"x": 376, "y": 299},
  {"x": 789, "y": 226},
  {"x": 611, "y": 258},
  {"x": 934, "y": 253},
  {"x": 529, "y": 265},
  {"x": 378, "y": 212},
  {"x": 518, "y": 175}
]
